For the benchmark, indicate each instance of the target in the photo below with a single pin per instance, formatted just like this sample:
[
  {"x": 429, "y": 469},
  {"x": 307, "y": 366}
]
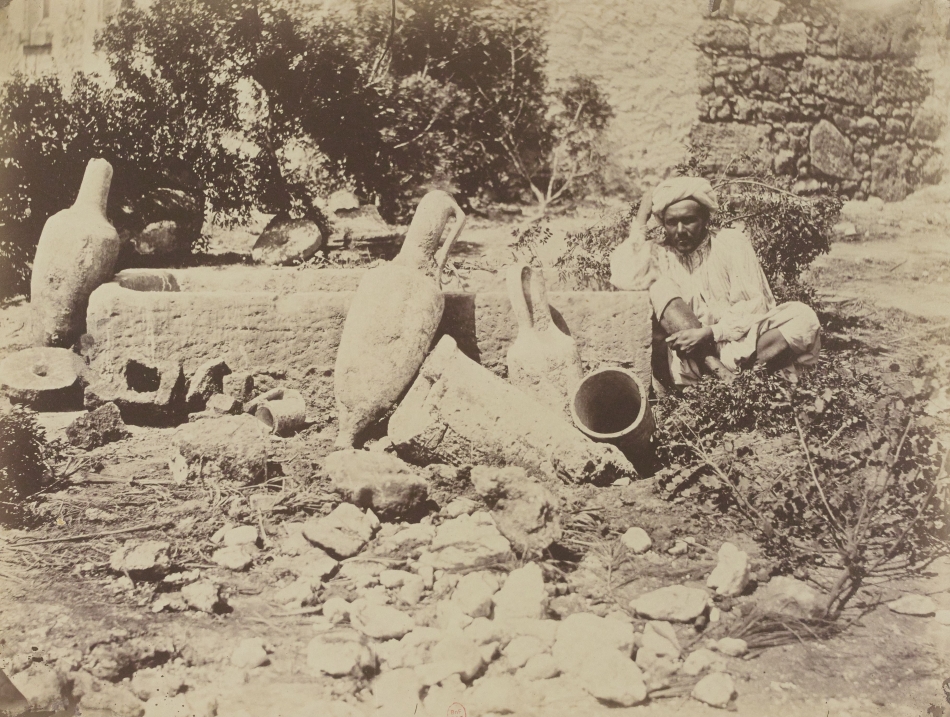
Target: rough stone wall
[
  {"x": 830, "y": 92},
  {"x": 641, "y": 53}
]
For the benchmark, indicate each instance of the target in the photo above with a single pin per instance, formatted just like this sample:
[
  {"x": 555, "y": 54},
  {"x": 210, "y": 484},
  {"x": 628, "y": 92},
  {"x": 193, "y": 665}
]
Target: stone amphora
[
  {"x": 393, "y": 319},
  {"x": 543, "y": 360},
  {"x": 76, "y": 253}
]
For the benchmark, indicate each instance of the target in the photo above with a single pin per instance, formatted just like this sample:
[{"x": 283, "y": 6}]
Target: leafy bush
[
  {"x": 837, "y": 471},
  {"x": 788, "y": 231},
  {"x": 22, "y": 464}
]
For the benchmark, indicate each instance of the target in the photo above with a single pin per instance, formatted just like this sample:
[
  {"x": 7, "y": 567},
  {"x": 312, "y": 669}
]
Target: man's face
[{"x": 685, "y": 225}]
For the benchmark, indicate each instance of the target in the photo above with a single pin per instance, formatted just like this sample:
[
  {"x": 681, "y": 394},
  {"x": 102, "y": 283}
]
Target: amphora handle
[{"x": 528, "y": 297}]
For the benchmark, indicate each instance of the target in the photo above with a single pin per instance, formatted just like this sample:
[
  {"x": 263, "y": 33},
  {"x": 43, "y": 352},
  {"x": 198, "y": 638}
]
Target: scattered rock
[
  {"x": 226, "y": 448},
  {"x": 207, "y": 381},
  {"x": 293, "y": 542},
  {"x": 336, "y": 610},
  {"x": 241, "y": 535},
  {"x": 523, "y": 594},
  {"x": 495, "y": 695},
  {"x": 680, "y": 547},
  {"x": 388, "y": 486},
  {"x": 540, "y": 667},
  {"x": 613, "y": 678},
  {"x": 239, "y": 385},
  {"x": 521, "y": 649},
  {"x": 831, "y": 151},
  {"x": 790, "y": 597},
  {"x": 660, "y": 639},
  {"x": 110, "y": 699},
  {"x": 223, "y": 405},
  {"x": 380, "y": 621},
  {"x": 286, "y": 241},
  {"x": 468, "y": 541},
  {"x": 140, "y": 560},
  {"x": 524, "y": 510},
  {"x": 97, "y": 428},
  {"x": 917, "y": 605},
  {"x": 732, "y": 572},
  {"x": 453, "y": 654},
  {"x": 250, "y": 654},
  {"x": 715, "y": 689},
  {"x": 942, "y": 617},
  {"x": 637, "y": 540},
  {"x": 344, "y": 532},
  {"x": 42, "y": 686},
  {"x": 299, "y": 593},
  {"x": 234, "y": 557},
  {"x": 582, "y": 635},
  {"x": 339, "y": 653},
  {"x": 700, "y": 660},
  {"x": 732, "y": 646},
  {"x": 474, "y": 592},
  {"x": 675, "y": 603},
  {"x": 459, "y": 506},
  {"x": 405, "y": 543},
  {"x": 203, "y": 596}
]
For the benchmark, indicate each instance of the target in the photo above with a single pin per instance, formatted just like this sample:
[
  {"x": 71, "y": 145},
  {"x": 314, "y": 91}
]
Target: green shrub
[{"x": 23, "y": 468}]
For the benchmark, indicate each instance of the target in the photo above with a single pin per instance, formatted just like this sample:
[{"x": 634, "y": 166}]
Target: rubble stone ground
[{"x": 156, "y": 588}]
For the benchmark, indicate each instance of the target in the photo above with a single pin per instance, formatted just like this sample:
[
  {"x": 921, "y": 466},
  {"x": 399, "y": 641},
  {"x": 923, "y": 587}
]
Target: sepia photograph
[{"x": 472, "y": 358}]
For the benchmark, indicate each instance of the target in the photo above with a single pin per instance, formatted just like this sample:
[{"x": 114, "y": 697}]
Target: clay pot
[
  {"x": 610, "y": 406},
  {"x": 393, "y": 319},
  {"x": 543, "y": 360},
  {"x": 283, "y": 415},
  {"x": 76, "y": 253}
]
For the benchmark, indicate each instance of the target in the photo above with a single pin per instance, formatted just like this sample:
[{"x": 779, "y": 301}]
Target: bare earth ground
[{"x": 58, "y": 599}]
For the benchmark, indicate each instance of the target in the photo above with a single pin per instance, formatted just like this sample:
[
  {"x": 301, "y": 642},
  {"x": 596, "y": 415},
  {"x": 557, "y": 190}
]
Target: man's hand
[{"x": 687, "y": 341}]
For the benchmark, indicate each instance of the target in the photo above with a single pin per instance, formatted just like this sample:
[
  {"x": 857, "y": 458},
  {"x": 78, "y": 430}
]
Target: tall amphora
[
  {"x": 543, "y": 360},
  {"x": 76, "y": 253},
  {"x": 393, "y": 319}
]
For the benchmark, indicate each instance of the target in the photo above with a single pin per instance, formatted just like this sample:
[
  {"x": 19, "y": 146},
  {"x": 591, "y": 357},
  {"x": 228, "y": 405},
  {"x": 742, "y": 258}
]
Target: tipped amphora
[
  {"x": 543, "y": 360},
  {"x": 393, "y": 319},
  {"x": 76, "y": 253}
]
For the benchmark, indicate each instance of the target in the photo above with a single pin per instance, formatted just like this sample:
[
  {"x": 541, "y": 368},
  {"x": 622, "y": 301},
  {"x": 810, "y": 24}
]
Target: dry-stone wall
[{"x": 830, "y": 93}]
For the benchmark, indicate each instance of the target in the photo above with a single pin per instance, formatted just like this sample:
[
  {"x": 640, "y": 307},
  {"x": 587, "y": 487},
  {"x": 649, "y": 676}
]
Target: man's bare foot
[{"x": 719, "y": 370}]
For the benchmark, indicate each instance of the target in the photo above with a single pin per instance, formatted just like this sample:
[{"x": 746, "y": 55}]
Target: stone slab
[{"x": 296, "y": 334}]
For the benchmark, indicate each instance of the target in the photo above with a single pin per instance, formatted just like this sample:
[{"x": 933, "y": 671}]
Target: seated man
[{"x": 708, "y": 290}]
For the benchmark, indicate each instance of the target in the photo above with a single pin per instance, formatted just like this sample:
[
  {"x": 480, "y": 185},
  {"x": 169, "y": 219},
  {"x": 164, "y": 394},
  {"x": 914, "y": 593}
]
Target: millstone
[{"x": 43, "y": 378}]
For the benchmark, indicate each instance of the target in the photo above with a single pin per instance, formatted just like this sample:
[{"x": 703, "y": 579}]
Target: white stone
[
  {"x": 917, "y": 605},
  {"x": 133, "y": 557},
  {"x": 659, "y": 640},
  {"x": 675, "y": 603},
  {"x": 380, "y": 621},
  {"x": 450, "y": 616},
  {"x": 466, "y": 542},
  {"x": 336, "y": 609},
  {"x": 495, "y": 695},
  {"x": 241, "y": 535},
  {"x": 790, "y": 597},
  {"x": 406, "y": 542},
  {"x": 250, "y": 653},
  {"x": 732, "y": 572},
  {"x": 43, "y": 688},
  {"x": 540, "y": 667},
  {"x": 680, "y": 547},
  {"x": 523, "y": 594},
  {"x": 521, "y": 649},
  {"x": 459, "y": 506},
  {"x": 482, "y": 631},
  {"x": 455, "y": 654},
  {"x": 474, "y": 592},
  {"x": 611, "y": 677},
  {"x": 942, "y": 616},
  {"x": 427, "y": 573},
  {"x": 700, "y": 660},
  {"x": 299, "y": 593},
  {"x": 715, "y": 689},
  {"x": 397, "y": 692},
  {"x": 202, "y": 595},
  {"x": 489, "y": 652},
  {"x": 637, "y": 540},
  {"x": 344, "y": 532},
  {"x": 234, "y": 557},
  {"x": 412, "y": 590},
  {"x": 732, "y": 646},
  {"x": 338, "y": 654},
  {"x": 394, "y": 578},
  {"x": 582, "y": 635}
]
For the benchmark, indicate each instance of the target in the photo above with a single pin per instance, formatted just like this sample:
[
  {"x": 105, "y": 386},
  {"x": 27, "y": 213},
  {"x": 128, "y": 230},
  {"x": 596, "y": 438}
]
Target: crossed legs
[{"x": 677, "y": 316}]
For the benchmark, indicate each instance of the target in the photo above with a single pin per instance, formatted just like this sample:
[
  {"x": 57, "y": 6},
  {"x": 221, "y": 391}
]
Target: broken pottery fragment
[
  {"x": 284, "y": 413},
  {"x": 76, "y": 253},
  {"x": 392, "y": 320},
  {"x": 459, "y": 412},
  {"x": 45, "y": 379},
  {"x": 543, "y": 360}
]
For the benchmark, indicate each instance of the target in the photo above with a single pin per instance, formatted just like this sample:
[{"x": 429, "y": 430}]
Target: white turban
[{"x": 677, "y": 189}]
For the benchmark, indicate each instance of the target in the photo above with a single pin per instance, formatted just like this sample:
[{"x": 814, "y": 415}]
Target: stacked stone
[{"x": 831, "y": 96}]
